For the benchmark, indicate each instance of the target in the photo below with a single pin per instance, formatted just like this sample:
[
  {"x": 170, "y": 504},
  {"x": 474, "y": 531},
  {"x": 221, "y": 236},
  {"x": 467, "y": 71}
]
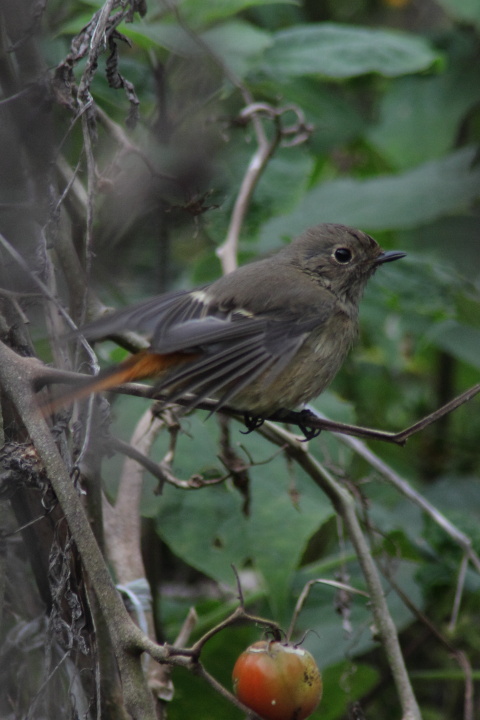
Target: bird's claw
[{"x": 252, "y": 422}]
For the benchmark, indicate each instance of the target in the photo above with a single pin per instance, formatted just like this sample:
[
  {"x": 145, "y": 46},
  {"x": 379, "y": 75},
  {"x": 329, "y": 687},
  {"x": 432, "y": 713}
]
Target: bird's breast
[{"x": 308, "y": 373}]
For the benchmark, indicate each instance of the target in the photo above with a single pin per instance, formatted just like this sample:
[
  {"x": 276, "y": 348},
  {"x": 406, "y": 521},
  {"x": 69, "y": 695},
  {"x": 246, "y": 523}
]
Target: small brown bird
[{"x": 268, "y": 336}]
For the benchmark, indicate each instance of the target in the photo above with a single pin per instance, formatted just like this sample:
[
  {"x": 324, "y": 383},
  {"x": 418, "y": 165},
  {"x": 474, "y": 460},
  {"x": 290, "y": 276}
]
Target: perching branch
[
  {"x": 312, "y": 420},
  {"x": 305, "y": 418}
]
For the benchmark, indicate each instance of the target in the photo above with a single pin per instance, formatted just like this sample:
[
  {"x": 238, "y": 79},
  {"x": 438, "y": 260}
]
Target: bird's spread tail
[{"x": 140, "y": 366}]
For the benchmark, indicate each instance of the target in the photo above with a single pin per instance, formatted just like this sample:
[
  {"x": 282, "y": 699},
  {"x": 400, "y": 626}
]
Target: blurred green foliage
[{"x": 392, "y": 90}]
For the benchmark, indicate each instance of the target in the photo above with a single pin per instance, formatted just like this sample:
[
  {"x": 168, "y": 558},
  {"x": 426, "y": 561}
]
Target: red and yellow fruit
[{"x": 278, "y": 681}]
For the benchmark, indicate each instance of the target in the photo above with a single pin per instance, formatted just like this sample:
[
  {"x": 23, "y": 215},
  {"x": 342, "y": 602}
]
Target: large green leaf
[
  {"x": 203, "y": 13},
  {"x": 453, "y": 240},
  {"x": 459, "y": 340},
  {"x": 342, "y": 51},
  {"x": 209, "y": 531},
  {"x": 338, "y": 695},
  {"x": 238, "y": 44},
  {"x": 413, "y": 198},
  {"x": 462, "y": 10},
  {"x": 417, "y": 122},
  {"x": 165, "y": 35},
  {"x": 279, "y": 529}
]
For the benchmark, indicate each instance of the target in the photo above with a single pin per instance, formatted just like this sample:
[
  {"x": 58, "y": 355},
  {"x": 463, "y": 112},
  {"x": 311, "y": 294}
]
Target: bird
[{"x": 269, "y": 336}]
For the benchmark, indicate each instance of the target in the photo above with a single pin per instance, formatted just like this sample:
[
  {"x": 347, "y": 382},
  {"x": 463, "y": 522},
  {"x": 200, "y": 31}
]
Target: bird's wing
[
  {"x": 236, "y": 357},
  {"x": 231, "y": 349},
  {"x": 143, "y": 317},
  {"x": 230, "y": 346}
]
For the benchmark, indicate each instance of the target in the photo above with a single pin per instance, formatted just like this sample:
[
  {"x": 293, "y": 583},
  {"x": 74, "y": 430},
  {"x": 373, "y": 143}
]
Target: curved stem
[{"x": 344, "y": 504}]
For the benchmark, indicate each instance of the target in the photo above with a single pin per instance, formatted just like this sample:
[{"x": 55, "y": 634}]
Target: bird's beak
[{"x": 389, "y": 256}]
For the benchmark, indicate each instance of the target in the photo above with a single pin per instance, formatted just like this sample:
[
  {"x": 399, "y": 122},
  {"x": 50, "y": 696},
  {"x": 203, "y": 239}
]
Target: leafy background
[{"x": 391, "y": 89}]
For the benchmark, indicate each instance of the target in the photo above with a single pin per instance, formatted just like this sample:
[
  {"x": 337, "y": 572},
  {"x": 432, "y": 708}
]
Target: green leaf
[
  {"x": 413, "y": 198},
  {"x": 459, "y": 340},
  {"x": 209, "y": 531},
  {"x": 166, "y": 35},
  {"x": 279, "y": 530},
  {"x": 342, "y": 51},
  {"x": 462, "y": 10},
  {"x": 238, "y": 44},
  {"x": 337, "y": 696},
  {"x": 203, "y": 13},
  {"x": 417, "y": 123},
  {"x": 198, "y": 527},
  {"x": 436, "y": 238}
]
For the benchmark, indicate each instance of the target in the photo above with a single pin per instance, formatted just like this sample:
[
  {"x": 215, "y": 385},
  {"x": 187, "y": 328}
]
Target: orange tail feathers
[{"x": 141, "y": 366}]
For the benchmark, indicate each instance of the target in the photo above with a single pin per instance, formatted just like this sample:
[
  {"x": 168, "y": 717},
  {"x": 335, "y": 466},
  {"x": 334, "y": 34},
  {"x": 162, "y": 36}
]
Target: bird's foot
[
  {"x": 252, "y": 422},
  {"x": 309, "y": 432}
]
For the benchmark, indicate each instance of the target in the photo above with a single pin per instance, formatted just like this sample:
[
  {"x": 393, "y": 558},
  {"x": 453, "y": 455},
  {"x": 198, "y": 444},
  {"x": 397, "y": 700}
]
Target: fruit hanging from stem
[{"x": 278, "y": 681}]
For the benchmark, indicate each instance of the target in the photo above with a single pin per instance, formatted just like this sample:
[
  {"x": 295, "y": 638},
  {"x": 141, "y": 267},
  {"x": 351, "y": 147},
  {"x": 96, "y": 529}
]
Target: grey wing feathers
[
  {"x": 147, "y": 316},
  {"x": 230, "y": 348},
  {"x": 233, "y": 362}
]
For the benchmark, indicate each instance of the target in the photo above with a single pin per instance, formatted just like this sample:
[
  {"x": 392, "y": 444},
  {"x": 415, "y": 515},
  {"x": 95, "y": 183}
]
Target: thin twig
[
  {"x": 239, "y": 616},
  {"x": 458, "y": 655},
  {"x": 314, "y": 420},
  {"x": 306, "y": 591},
  {"x": 411, "y": 494},
  {"x": 46, "y": 293},
  {"x": 205, "y": 675},
  {"x": 161, "y": 471},
  {"x": 91, "y": 190},
  {"x": 462, "y": 574},
  {"x": 468, "y": 710},
  {"x": 227, "y": 252}
]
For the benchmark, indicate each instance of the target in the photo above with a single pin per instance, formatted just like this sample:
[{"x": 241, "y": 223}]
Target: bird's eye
[{"x": 342, "y": 255}]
